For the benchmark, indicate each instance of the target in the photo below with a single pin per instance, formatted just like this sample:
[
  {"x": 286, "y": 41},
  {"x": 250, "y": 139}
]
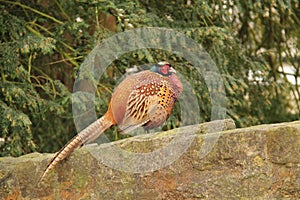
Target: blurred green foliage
[{"x": 43, "y": 44}]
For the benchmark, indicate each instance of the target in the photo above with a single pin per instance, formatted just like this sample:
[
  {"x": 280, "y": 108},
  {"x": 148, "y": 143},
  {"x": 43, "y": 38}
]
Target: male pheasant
[{"x": 142, "y": 99}]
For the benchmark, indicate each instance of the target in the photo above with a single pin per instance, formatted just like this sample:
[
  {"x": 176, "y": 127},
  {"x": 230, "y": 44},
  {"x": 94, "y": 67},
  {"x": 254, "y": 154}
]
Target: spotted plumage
[{"x": 143, "y": 99}]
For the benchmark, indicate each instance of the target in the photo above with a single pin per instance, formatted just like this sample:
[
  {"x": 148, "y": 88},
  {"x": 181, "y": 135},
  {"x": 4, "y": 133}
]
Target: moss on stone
[{"x": 260, "y": 162}]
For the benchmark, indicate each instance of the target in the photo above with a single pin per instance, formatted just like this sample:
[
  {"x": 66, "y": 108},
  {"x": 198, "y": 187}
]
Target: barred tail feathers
[{"x": 87, "y": 135}]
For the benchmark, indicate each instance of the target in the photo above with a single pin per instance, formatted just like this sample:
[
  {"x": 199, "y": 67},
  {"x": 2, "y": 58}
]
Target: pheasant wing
[{"x": 141, "y": 102}]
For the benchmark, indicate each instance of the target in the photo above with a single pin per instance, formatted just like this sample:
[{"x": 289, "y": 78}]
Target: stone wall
[{"x": 260, "y": 162}]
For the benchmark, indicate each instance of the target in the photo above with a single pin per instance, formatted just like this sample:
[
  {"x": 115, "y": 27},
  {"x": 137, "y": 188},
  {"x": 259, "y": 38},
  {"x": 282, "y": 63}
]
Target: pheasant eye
[{"x": 165, "y": 69}]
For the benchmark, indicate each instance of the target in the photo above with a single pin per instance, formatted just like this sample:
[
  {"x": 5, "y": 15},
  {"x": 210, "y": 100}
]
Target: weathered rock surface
[{"x": 260, "y": 162}]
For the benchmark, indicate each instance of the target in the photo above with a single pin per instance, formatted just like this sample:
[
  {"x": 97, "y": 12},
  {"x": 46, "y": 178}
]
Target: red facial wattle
[{"x": 165, "y": 69}]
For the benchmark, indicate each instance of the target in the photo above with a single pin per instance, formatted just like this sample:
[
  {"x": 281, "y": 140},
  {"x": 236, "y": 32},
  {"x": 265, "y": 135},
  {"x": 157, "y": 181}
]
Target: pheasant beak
[{"x": 172, "y": 70}]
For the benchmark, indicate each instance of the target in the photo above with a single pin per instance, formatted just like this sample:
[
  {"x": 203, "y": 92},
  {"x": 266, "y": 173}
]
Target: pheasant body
[{"x": 143, "y": 99}]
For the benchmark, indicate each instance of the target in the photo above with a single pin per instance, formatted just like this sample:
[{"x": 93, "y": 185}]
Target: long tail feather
[{"x": 87, "y": 135}]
